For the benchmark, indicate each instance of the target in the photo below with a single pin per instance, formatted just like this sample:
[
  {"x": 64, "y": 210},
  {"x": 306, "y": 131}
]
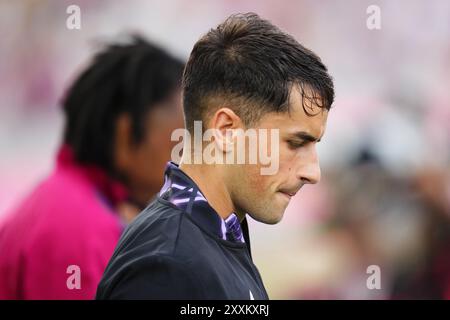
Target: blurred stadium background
[{"x": 384, "y": 198}]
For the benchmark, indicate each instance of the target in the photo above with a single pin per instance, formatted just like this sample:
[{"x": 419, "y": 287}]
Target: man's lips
[
  {"x": 285, "y": 195},
  {"x": 289, "y": 194}
]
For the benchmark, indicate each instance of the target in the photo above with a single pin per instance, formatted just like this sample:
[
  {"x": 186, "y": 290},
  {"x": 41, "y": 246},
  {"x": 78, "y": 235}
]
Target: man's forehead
[
  {"x": 305, "y": 113},
  {"x": 302, "y": 116},
  {"x": 306, "y": 101},
  {"x": 297, "y": 124}
]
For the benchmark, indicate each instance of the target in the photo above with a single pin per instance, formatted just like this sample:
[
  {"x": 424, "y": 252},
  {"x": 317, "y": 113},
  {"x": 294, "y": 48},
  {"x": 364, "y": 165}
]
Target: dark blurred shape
[{"x": 429, "y": 277}]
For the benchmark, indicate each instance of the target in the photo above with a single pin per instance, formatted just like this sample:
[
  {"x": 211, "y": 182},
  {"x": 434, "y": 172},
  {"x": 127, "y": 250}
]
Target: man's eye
[{"x": 296, "y": 144}]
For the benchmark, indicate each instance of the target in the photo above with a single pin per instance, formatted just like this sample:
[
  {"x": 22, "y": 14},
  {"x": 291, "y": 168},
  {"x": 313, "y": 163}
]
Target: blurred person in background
[
  {"x": 119, "y": 116},
  {"x": 428, "y": 276}
]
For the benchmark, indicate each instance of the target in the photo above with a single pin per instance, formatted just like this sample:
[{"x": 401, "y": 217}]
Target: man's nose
[{"x": 309, "y": 172}]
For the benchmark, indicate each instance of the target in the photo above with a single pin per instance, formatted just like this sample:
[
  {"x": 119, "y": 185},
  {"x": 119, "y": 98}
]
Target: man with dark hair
[
  {"x": 192, "y": 242},
  {"x": 119, "y": 114}
]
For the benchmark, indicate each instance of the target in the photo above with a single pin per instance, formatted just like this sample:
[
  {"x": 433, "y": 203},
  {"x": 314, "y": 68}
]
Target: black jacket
[{"x": 180, "y": 248}]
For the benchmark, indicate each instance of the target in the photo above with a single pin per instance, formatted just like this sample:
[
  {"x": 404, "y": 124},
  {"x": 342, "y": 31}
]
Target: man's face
[
  {"x": 146, "y": 160},
  {"x": 265, "y": 197}
]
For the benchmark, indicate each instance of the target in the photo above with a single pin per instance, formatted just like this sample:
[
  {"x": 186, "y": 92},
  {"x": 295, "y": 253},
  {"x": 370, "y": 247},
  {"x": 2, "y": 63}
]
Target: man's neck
[{"x": 211, "y": 185}]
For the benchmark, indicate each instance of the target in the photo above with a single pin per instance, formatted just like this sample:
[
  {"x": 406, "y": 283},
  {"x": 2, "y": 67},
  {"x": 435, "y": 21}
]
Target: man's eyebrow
[{"x": 306, "y": 136}]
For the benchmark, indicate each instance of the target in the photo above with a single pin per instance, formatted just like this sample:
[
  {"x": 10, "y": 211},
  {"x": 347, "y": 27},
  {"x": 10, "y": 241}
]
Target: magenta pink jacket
[{"x": 68, "y": 220}]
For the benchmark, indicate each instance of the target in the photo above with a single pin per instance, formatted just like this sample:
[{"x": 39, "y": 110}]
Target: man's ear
[
  {"x": 123, "y": 142},
  {"x": 224, "y": 123}
]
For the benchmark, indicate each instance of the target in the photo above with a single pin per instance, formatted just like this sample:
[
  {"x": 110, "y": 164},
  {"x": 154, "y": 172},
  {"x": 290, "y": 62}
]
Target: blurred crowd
[{"x": 384, "y": 198}]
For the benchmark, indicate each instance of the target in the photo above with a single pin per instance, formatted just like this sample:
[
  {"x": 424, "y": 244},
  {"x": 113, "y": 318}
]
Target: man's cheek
[
  {"x": 257, "y": 181},
  {"x": 262, "y": 185},
  {"x": 286, "y": 166}
]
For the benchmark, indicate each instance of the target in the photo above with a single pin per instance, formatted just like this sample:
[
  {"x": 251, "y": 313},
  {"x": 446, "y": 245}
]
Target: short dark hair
[
  {"x": 129, "y": 77},
  {"x": 251, "y": 63}
]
